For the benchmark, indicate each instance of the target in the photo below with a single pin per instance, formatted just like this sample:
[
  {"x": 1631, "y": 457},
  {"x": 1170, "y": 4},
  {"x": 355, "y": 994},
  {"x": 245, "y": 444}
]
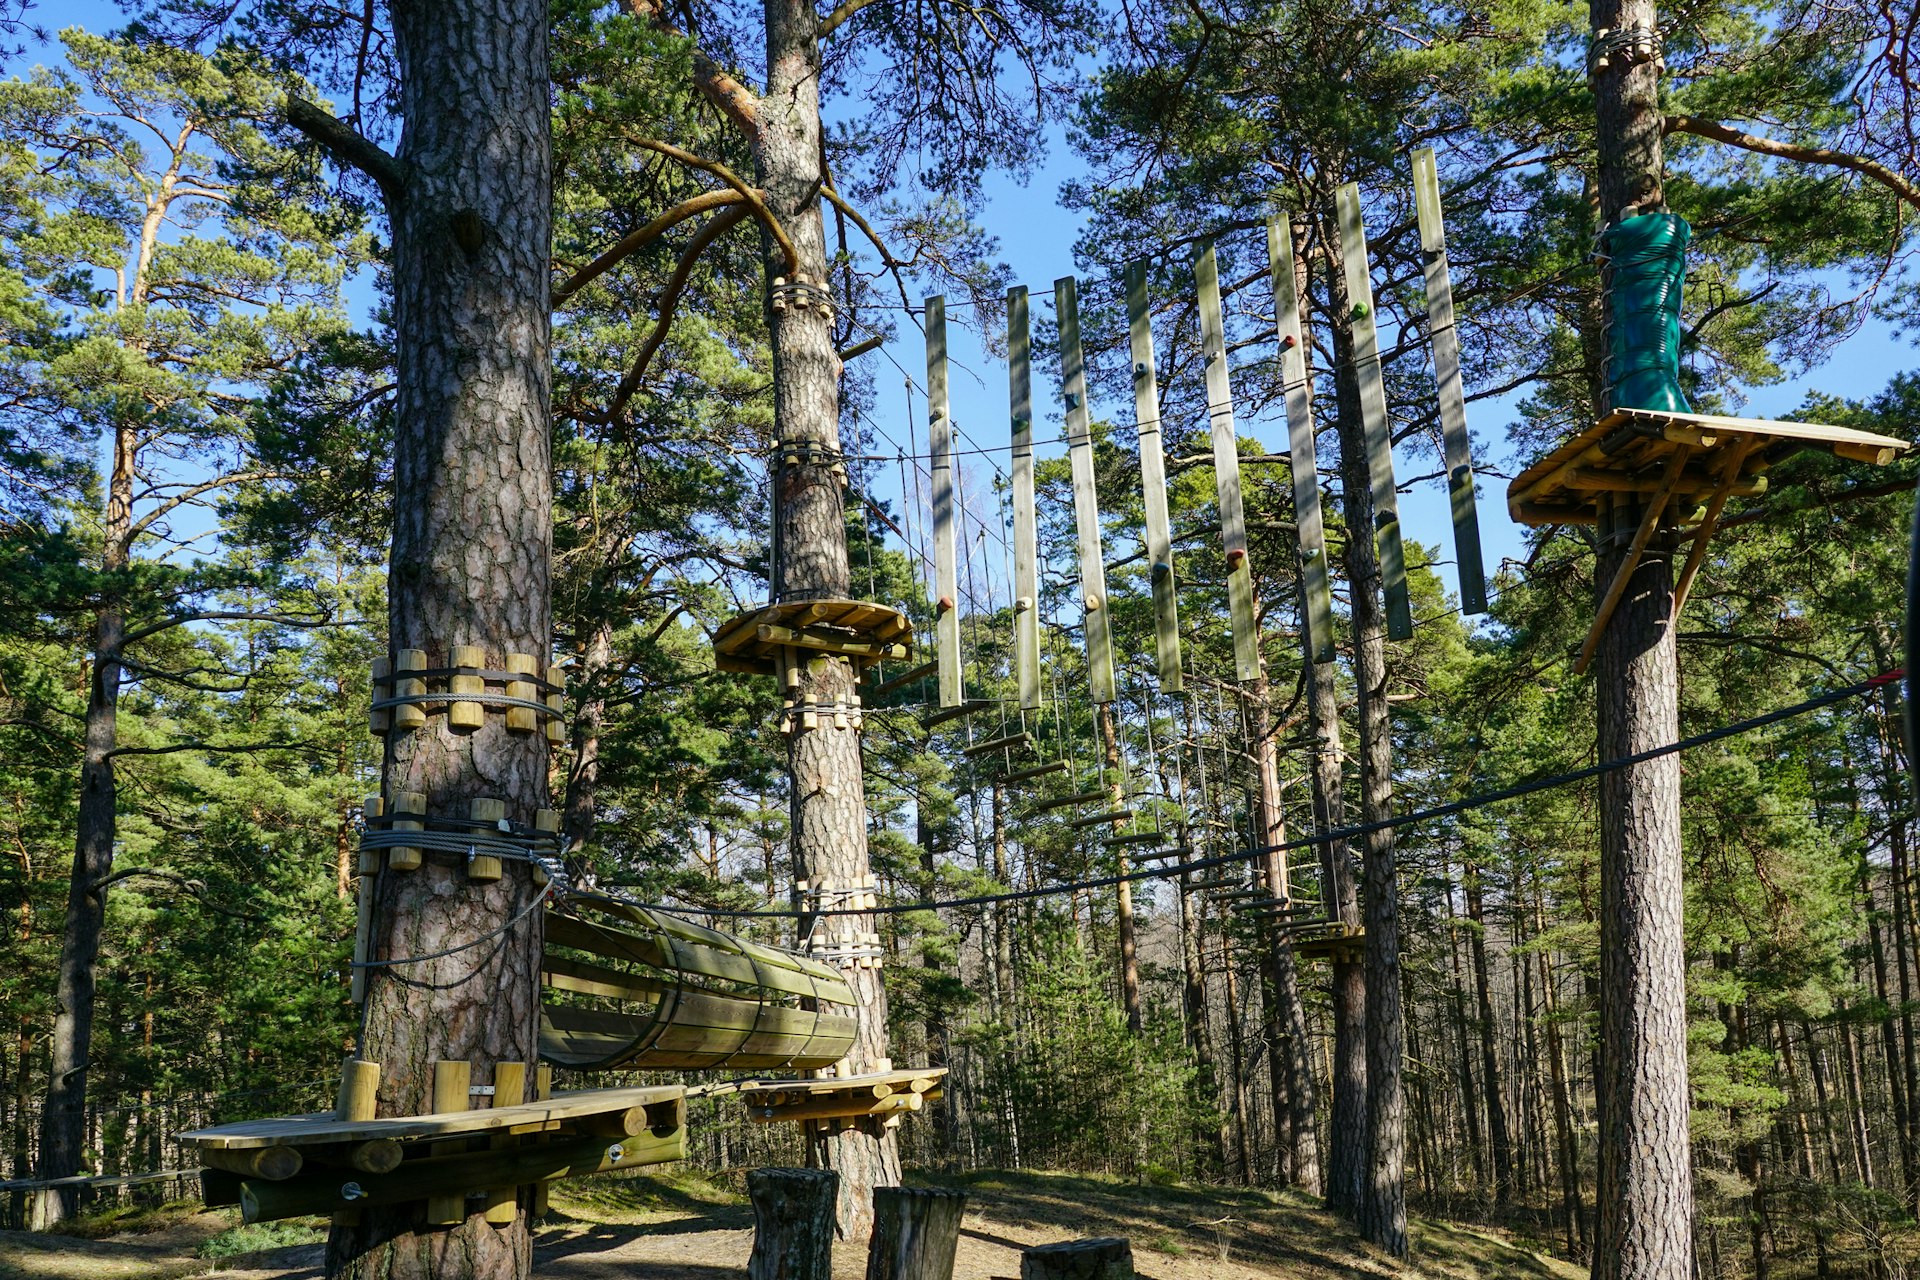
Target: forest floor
[{"x": 684, "y": 1227}]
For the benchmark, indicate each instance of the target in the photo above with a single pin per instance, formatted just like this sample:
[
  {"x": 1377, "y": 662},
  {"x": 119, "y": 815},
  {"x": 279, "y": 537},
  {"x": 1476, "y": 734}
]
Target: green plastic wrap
[{"x": 1649, "y": 259}]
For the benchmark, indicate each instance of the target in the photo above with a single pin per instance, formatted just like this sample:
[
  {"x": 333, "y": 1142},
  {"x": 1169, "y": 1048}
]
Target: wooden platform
[
  {"x": 861, "y": 631},
  {"x": 1629, "y": 451},
  {"x": 576, "y": 1107},
  {"x": 883, "y": 1095},
  {"x": 1335, "y": 943}
]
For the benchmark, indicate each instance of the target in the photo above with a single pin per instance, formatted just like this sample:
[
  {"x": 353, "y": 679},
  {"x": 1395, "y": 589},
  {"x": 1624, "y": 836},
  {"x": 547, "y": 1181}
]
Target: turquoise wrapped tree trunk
[{"x": 1648, "y": 255}]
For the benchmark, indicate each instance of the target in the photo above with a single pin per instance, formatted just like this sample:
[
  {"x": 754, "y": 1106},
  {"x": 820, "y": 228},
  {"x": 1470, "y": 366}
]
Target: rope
[{"x": 1355, "y": 830}]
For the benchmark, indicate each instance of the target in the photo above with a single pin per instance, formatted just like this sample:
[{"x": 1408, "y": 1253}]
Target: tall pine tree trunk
[
  {"x": 1646, "y": 1178},
  {"x": 1497, "y": 1136},
  {"x": 828, "y": 792},
  {"x": 1382, "y": 1215},
  {"x": 470, "y": 206},
  {"x": 582, "y": 806},
  {"x": 1123, "y": 892}
]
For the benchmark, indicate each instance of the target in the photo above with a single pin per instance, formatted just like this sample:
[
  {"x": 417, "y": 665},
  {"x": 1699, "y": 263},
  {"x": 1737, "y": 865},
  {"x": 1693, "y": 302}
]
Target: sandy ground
[{"x": 643, "y": 1230}]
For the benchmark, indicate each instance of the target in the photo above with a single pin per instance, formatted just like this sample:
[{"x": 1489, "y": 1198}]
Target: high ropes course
[{"x": 638, "y": 986}]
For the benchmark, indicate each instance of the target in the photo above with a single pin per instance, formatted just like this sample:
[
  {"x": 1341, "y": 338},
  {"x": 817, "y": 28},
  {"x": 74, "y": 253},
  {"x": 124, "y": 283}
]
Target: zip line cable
[{"x": 1530, "y": 787}]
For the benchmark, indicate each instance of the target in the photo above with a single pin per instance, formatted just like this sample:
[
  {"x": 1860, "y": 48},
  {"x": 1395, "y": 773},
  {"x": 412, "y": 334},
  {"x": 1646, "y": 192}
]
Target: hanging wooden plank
[
  {"x": 1373, "y": 411},
  {"x": 1026, "y": 551},
  {"x": 1086, "y": 502},
  {"x": 1153, "y": 482},
  {"x": 1226, "y": 468},
  {"x": 1311, "y": 535},
  {"x": 1446, "y": 374},
  {"x": 946, "y": 574}
]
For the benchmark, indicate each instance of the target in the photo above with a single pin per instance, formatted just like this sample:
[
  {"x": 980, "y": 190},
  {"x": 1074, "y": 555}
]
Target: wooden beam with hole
[
  {"x": 1086, "y": 501},
  {"x": 1445, "y": 339},
  {"x": 1012, "y": 742},
  {"x": 905, "y": 678},
  {"x": 1226, "y": 468},
  {"x": 1310, "y": 532},
  {"x": 1373, "y": 412},
  {"x": 1153, "y": 482},
  {"x": 1026, "y": 545},
  {"x": 946, "y": 574}
]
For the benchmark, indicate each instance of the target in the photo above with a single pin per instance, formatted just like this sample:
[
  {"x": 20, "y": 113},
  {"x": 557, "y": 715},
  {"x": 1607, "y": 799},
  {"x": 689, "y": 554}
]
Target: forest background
[{"x": 172, "y": 257}]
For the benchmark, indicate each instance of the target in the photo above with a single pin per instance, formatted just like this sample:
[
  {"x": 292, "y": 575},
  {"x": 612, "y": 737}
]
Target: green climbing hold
[
  {"x": 1359, "y": 311},
  {"x": 1649, "y": 259}
]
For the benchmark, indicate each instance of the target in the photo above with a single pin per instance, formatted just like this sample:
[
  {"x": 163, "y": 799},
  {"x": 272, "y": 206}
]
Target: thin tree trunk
[
  {"x": 1123, "y": 892},
  {"x": 1463, "y": 1057},
  {"x": 470, "y": 565},
  {"x": 1497, "y": 1136},
  {"x": 582, "y": 809}
]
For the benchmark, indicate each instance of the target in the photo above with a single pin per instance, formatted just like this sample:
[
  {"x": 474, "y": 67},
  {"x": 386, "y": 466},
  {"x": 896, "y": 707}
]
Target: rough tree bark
[
  {"x": 827, "y": 790},
  {"x": 1497, "y": 1136},
  {"x": 1382, "y": 1215},
  {"x": 1645, "y": 1203},
  {"x": 469, "y": 204},
  {"x": 583, "y": 771}
]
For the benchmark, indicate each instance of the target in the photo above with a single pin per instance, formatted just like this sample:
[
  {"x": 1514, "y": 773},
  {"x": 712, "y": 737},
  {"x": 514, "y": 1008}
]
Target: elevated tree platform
[
  {"x": 1332, "y": 942},
  {"x": 1651, "y": 460},
  {"x": 884, "y": 1096},
  {"x": 860, "y": 631},
  {"x": 635, "y": 988}
]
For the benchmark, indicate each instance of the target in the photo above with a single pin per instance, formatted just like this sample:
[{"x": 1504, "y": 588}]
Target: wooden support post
[
  {"x": 1086, "y": 501},
  {"x": 358, "y": 1099},
  {"x": 451, "y": 1081},
  {"x": 547, "y": 822},
  {"x": 1452, "y": 395},
  {"x": 1226, "y": 468},
  {"x": 380, "y": 719},
  {"x": 412, "y": 715},
  {"x": 406, "y": 857},
  {"x": 1026, "y": 543},
  {"x": 1697, "y": 554},
  {"x": 1153, "y": 482},
  {"x": 484, "y": 866},
  {"x": 273, "y": 1164},
  {"x": 542, "y": 1089},
  {"x": 916, "y": 1232},
  {"x": 367, "y": 883},
  {"x": 793, "y": 1221},
  {"x": 1649, "y": 523},
  {"x": 522, "y": 719},
  {"x": 509, "y": 1090},
  {"x": 467, "y": 716},
  {"x": 1104, "y": 1259},
  {"x": 1373, "y": 413},
  {"x": 1310, "y": 536},
  {"x": 946, "y": 534},
  {"x": 556, "y": 724}
]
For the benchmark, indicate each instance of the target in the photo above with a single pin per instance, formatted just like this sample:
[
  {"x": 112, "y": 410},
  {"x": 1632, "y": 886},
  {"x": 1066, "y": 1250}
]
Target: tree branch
[
  {"x": 840, "y": 15},
  {"x": 736, "y": 102},
  {"x": 669, "y": 300},
  {"x": 739, "y": 184},
  {"x": 633, "y": 241},
  {"x": 167, "y": 624},
  {"x": 1718, "y": 132},
  {"x": 349, "y": 147},
  {"x": 219, "y": 748},
  {"x": 187, "y": 495},
  {"x": 887, "y": 260}
]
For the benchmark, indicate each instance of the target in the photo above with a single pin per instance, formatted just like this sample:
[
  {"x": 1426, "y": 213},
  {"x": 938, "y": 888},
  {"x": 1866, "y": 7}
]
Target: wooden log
[
  {"x": 942, "y": 716},
  {"x": 467, "y": 716},
  {"x": 273, "y": 1164},
  {"x": 1108, "y": 1258},
  {"x": 1096, "y": 819},
  {"x": 1373, "y": 412},
  {"x": 904, "y": 679},
  {"x": 359, "y": 1090},
  {"x": 542, "y": 1090},
  {"x": 411, "y": 716},
  {"x": 380, "y": 1155},
  {"x": 1026, "y": 545},
  {"x": 793, "y": 1223},
  {"x": 1086, "y": 499},
  {"x": 509, "y": 1090},
  {"x": 547, "y": 822},
  {"x": 1012, "y": 742},
  {"x": 1153, "y": 482},
  {"x": 830, "y": 1108},
  {"x": 1037, "y": 771},
  {"x": 1062, "y": 802},
  {"x": 916, "y": 1232},
  {"x": 825, "y": 642},
  {"x": 406, "y": 857},
  {"x": 484, "y": 866},
  {"x": 452, "y": 1080},
  {"x": 380, "y": 719},
  {"x": 451, "y": 1178},
  {"x": 946, "y": 526},
  {"x": 522, "y": 719},
  {"x": 1310, "y": 535},
  {"x": 363, "y": 914},
  {"x": 1226, "y": 468},
  {"x": 556, "y": 724}
]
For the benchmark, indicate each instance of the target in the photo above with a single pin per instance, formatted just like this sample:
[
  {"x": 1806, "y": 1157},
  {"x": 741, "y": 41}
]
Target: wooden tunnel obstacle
[
  {"x": 1684, "y": 467},
  {"x": 631, "y": 987},
  {"x": 348, "y": 1159}
]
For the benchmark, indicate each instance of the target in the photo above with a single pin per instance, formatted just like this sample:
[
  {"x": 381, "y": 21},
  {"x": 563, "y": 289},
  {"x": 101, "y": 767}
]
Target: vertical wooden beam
[
  {"x": 1153, "y": 482},
  {"x": 1226, "y": 468},
  {"x": 1446, "y": 374},
  {"x": 1302, "y": 459},
  {"x": 509, "y": 1090},
  {"x": 451, "y": 1081},
  {"x": 946, "y": 573},
  {"x": 1026, "y": 539},
  {"x": 1086, "y": 502},
  {"x": 1373, "y": 412}
]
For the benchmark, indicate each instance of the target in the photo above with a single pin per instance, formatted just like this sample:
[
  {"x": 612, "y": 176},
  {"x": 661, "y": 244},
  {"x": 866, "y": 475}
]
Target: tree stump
[
  {"x": 793, "y": 1216},
  {"x": 1104, "y": 1259},
  {"x": 915, "y": 1233}
]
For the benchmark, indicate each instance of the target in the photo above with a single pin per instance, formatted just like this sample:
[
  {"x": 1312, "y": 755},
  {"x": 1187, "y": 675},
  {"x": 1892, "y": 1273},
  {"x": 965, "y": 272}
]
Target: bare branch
[
  {"x": 840, "y": 15},
  {"x": 739, "y": 184},
  {"x": 1791, "y": 151},
  {"x": 669, "y": 300},
  {"x": 634, "y": 241},
  {"x": 737, "y": 102},
  {"x": 349, "y": 147}
]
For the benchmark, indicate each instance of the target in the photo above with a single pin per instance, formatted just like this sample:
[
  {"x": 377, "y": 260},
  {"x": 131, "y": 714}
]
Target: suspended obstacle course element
[
  {"x": 634, "y": 988},
  {"x": 862, "y": 632},
  {"x": 945, "y": 530},
  {"x": 342, "y": 1161},
  {"x": 1026, "y": 545},
  {"x": 1086, "y": 501},
  {"x": 871, "y": 1102},
  {"x": 1226, "y": 468},
  {"x": 1311, "y": 537},
  {"x": 1153, "y": 483},
  {"x": 1650, "y": 458}
]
